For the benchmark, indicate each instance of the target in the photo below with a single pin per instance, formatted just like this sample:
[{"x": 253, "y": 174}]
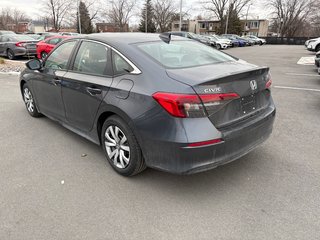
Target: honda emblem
[{"x": 253, "y": 85}]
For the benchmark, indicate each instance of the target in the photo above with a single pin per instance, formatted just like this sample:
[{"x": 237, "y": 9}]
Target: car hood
[
  {"x": 196, "y": 75},
  {"x": 224, "y": 41}
]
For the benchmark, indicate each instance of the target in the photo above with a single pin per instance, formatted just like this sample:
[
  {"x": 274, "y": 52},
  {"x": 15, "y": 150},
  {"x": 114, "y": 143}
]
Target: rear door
[
  {"x": 87, "y": 83},
  {"x": 4, "y": 45},
  {"x": 2, "y": 52}
]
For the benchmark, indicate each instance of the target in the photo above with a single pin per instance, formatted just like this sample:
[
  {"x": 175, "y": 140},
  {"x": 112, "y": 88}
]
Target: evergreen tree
[
  {"x": 85, "y": 20},
  {"x": 234, "y": 23},
  {"x": 150, "y": 18}
]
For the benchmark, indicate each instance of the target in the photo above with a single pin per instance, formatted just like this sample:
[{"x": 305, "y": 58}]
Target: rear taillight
[
  {"x": 20, "y": 44},
  {"x": 192, "y": 105},
  {"x": 269, "y": 81},
  {"x": 180, "y": 105}
]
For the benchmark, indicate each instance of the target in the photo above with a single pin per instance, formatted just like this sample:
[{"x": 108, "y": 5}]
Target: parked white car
[
  {"x": 309, "y": 41},
  {"x": 219, "y": 43},
  {"x": 260, "y": 41},
  {"x": 314, "y": 45}
]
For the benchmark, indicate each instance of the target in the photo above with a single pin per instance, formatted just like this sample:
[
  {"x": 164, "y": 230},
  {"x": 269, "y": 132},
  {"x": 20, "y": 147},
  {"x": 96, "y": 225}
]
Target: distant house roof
[{"x": 38, "y": 23}]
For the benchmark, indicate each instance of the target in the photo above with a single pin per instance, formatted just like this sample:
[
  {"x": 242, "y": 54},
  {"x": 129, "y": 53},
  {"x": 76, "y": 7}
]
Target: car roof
[
  {"x": 122, "y": 39},
  {"x": 57, "y": 36}
]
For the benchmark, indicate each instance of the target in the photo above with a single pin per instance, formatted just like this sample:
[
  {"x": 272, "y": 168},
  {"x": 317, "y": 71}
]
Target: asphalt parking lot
[{"x": 57, "y": 185}]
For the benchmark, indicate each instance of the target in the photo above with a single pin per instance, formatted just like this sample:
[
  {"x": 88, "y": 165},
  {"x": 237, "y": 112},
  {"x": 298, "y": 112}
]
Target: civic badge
[{"x": 253, "y": 85}]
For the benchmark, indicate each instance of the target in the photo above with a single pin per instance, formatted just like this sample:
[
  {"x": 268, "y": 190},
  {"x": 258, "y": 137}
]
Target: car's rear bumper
[
  {"x": 311, "y": 49},
  {"x": 180, "y": 159}
]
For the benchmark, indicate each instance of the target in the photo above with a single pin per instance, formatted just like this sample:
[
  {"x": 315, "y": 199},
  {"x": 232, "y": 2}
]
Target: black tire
[
  {"x": 30, "y": 102},
  {"x": 136, "y": 163},
  {"x": 44, "y": 55},
  {"x": 218, "y": 46},
  {"x": 10, "y": 54},
  {"x": 318, "y": 48}
]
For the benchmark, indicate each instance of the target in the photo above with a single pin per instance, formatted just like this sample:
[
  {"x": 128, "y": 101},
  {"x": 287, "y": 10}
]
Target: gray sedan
[
  {"x": 152, "y": 101},
  {"x": 16, "y": 45}
]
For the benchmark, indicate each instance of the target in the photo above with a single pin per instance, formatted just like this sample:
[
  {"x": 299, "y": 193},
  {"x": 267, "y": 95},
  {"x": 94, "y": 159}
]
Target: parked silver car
[
  {"x": 16, "y": 45},
  {"x": 5, "y": 32}
]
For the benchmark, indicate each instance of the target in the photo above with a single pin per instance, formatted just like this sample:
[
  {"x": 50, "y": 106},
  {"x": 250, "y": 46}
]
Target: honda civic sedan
[
  {"x": 163, "y": 102},
  {"x": 15, "y": 45}
]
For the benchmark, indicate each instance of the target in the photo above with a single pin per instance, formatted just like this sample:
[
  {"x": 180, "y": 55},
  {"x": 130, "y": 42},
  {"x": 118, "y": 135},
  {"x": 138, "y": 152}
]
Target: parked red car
[{"x": 45, "y": 46}]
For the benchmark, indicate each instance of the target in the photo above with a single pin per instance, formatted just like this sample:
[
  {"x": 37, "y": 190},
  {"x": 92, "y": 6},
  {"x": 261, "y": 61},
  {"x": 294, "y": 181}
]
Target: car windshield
[
  {"x": 183, "y": 54},
  {"x": 193, "y": 35},
  {"x": 222, "y": 38},
  {"x": 21, "y": 38}
]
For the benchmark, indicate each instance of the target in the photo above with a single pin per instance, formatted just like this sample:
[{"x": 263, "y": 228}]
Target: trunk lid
[{"x": 244, "y": 79}]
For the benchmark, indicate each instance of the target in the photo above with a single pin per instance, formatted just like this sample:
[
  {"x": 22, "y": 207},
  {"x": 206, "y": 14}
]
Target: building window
[
  {"x": 176, "y": 25},
  {"x": 254, "y": 24}
]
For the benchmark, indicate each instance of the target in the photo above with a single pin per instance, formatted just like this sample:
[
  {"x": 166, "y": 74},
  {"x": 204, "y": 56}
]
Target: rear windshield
[{"x": 183, "y": 54}]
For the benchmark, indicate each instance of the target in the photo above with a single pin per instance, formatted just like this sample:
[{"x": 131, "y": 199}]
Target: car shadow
[{"x": 224, "y": 178}]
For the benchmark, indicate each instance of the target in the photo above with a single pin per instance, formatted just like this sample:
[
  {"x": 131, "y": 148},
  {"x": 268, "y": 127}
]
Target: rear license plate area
[
  {"x": 31, "y": 46},
  {"x": 248, "y": 103}
]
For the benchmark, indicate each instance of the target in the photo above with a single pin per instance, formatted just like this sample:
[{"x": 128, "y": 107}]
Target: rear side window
[
  {"x": 120, "y": 66},
  {"x": 93, "y": 58},
  {"x": 59, "y": 58},
  {"x": 183, "y": 54},
  {"x": 54, "y": 41}
]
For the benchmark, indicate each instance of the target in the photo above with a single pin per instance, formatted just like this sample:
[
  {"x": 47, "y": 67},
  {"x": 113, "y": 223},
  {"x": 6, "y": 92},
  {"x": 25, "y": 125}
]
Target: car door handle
[{"x": 94, "y": 91}]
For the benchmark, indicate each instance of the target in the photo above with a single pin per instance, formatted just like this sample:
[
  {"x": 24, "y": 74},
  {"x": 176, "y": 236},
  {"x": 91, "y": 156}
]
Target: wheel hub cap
[
  {"x": 28, "y": 99},
  {"x": 117, "y": 147}
]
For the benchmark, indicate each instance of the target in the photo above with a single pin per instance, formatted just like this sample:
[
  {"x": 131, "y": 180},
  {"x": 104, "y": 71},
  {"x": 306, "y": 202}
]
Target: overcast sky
[{"x": 194, "y": 7}]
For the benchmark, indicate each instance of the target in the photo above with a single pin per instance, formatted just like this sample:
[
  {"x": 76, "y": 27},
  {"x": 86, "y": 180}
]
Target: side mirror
[{"x": 34, "y": 64}]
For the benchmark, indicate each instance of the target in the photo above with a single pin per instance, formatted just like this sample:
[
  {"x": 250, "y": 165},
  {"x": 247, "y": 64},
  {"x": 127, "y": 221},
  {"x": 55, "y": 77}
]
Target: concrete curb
[{"x": 10, "y": 73}]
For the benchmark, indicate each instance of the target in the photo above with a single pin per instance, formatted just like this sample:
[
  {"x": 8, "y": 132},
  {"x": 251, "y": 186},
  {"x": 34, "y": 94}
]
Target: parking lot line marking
[
  {"x": 302, "y": 74},
  {"x": 306, "y": 61},
  {"x": 296, "y": 88}
]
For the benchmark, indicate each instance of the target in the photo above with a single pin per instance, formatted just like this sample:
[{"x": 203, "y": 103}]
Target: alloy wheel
[
  {"x": 117, "y": 146},
  {"x": 43, "y": 55},
  {"x": 10, "y": 54},
  {"x": 28, "y": 99}
]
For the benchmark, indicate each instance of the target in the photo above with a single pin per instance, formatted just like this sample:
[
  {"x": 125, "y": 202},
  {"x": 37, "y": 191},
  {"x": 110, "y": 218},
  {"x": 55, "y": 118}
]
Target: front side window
[
  {"x": 92, "y": 58},
  {"x": 183, "y": 54},
  {"x": 59, "y": 58}
]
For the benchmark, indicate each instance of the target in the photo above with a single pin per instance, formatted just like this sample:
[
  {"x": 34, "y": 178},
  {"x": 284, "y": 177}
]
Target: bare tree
[
  {"x": 18, "y": 16},
  {"x": 164, "y": 12},
  {"x": 11, "y": 16},
  {"x": 291, "y": 14},
  {"x": 93, "y": 7},
  {"x": 59, "y": 11},
  {"x": 220, "y": 7},
  {"x": 120, "y": 13}
]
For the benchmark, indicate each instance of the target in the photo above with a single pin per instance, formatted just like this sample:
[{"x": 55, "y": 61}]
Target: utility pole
[
  {"x": 246, "y": 25},
  {"x": 227, "y": 20},
  {"x": 146, "y": 20},
  {"x": 180, "y": 23},
  {"x": 79, "y": 22}
]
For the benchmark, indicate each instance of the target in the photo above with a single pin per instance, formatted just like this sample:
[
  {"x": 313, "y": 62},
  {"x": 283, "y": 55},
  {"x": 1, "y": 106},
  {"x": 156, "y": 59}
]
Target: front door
[{"x": 47, "y": 85}]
